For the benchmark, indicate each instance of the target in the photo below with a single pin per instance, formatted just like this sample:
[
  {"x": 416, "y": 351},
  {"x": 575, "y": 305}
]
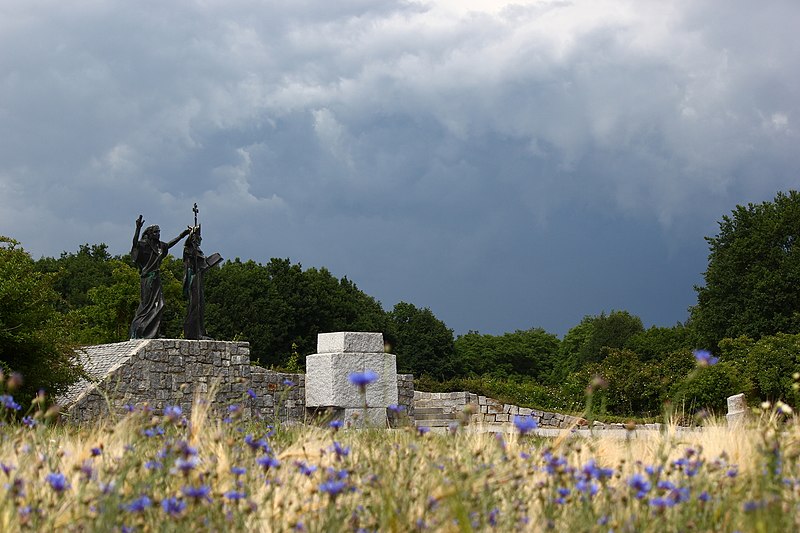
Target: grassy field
[{"x": 149, "y": 471}]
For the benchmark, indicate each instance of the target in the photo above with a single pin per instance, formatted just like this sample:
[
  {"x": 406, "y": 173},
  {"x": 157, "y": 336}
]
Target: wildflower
[
  {"x": 587, "y": 487},
  {"x": 235, "y": 495},
  {"x": 96, "y": 451},
  {"x": 640, "y": 484},
  {"x": 335, "y": 425},
  {"x": 252, "y": 394},
  {"x": 732, "y": 472},
  {"x": 525, "y": 424},
  {"x": 306, "y": 470},
  {"x": 493, "y": 517},
  {"x": 421, "y": 430},
  {"x": 333, "y": 487},
  {"x": 704, "y": 358},
  {"x": 186, "y": 465},
  {"x": 28, "y": 421},
  {"x": 704, "y": 496},
  {"x": 139, "y": 504},
  {"x": 268, "y": 462},
  {"x": 8, "y": 402},
  {"x": 57, "y": 481},
  {"x": 362, "y": 379},
  {"x": 6, "y": 468},
  {"x": 153, "y": 432},
  {"x": 340, "y": 451},
  {"x": 153, "y": 465},
  {"x": 396, "y": 409},
  {"x": 203, "y": 492},
  {"x": 255, "y": 445},
  {"x": 238, "y": 470},
  {"x": 173, "y": 506},
  {"x": 173, "y": 413},
  {"x": 288, "y": 382},
  {"x": 661, "y": 503}
]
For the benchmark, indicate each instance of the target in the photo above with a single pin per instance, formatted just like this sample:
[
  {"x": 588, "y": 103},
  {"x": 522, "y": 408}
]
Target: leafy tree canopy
[
  {"x": 752, "y": 283},
  {"x": 33, "y": 332},
  {"x": 423, "y": 343}
]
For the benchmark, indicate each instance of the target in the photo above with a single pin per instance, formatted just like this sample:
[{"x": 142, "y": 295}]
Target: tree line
[{"x": 747, "y": 314}]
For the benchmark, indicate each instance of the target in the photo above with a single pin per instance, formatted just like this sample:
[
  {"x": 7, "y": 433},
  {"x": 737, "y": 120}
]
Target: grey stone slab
[{"x": 349, "y": 342}]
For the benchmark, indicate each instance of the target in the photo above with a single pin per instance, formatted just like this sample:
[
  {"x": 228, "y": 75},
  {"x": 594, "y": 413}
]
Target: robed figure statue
[
  {"x": 147, "y": 254},
  {"x": 195, "y": 265}
]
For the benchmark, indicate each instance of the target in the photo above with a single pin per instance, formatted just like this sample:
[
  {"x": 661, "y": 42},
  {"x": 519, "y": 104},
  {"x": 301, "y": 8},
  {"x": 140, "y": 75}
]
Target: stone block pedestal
[{"x": 328, "y": 372}]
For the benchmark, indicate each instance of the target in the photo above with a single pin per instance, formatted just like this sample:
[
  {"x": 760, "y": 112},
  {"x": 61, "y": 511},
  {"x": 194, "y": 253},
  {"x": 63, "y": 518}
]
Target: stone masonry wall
[{"x": 487, "y": 411}]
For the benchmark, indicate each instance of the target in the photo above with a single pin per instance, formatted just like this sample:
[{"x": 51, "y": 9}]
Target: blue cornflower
[
  {"x": 732, "y": 472},
  {"x": 186, "y": 465},
  {"x": 421, "y": 430},
  {"x": 173, "y": 412},
  {"x": 340, "y": 451},
  {"x": 493, "y": 517},
  {"x": 704, "y": 496},
  {"x": 586, "y": 486},
  {"x": 306, "y": 470},
  {"x": 704, "y": 358},
  {"x": 6, "y": 468},
  {"x": 238, "y": 470},
  {"x": 288, "y": 382},
  {"x": 28, "y": 421},
  {"x": 333, "y": 487},
  {"x": 397, "y": 409},
  {"x": 173, "y": 506},
  {"x": 8, "y": 402},
  {"x": 139, "y": 504},
  {"x": 268, "y": 462},
  {"x": 255, "y": 445},
  {"x": 640, "y": 484},
  {"x": 152, "y": 432},
  {"x": 203, "y": 492},
  {"x": 525, "y": 424},
  {"x": 57, "y": 481},
  {"x": 96, "y": 451},
  {"x": 235, "y": 495},
  {"x": 661, "y": 503},
  {"x": 335, "y": 425},
  {"x": 362, "y": 379},
  {"x": 252, "y": 394},
  {"x": 153, "y": 465}
]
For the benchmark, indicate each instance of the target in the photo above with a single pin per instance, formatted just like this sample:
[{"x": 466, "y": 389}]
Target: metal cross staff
[{"x": 195, "y": 210}]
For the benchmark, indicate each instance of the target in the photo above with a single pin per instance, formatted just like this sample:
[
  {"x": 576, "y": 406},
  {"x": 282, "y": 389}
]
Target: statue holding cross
[{"x": 195, "y": 265}]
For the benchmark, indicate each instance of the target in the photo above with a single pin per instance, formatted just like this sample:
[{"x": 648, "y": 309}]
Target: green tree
[
  {"x": 33, "y": 332},
  {"x": 752, "y": 283},
  {"x": 530, "y": 353},
  {"x": 589, "y": 341},
  {"x": 77, "y": 273},
  {"x": 423, "y": 343},
  {"x": 658, "y": 342}
]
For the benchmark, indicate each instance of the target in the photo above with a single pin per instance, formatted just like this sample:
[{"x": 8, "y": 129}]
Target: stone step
[
  {"x": 428, "y": 410},
  {"x": 433, "y": 416},
  {"x": 434, "y": 423}
]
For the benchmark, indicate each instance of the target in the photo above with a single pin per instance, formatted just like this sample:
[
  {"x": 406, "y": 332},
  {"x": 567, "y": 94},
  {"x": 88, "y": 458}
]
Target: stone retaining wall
[{"x": 487, "y": 411}]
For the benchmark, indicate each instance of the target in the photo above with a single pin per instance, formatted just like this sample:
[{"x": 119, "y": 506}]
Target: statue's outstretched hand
[{"x": 140, "y": 222}]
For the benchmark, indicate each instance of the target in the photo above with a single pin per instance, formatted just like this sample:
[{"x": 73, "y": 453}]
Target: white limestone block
[
  {"x": 328, "y": 380},
  {"x": 349, "y": 342}
]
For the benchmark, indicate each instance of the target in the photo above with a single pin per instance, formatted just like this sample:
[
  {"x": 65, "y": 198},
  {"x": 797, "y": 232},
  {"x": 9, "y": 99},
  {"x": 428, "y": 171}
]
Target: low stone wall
[
  {"x": 485, "y": 411},
  {"x": 162, "y": 372},
  {"x": 158, "y": 372}
]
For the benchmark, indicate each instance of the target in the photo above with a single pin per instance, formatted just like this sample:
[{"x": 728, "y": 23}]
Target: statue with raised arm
[
  {"x": 195, "y": 265},
  {"x": 148, "y": 253}
]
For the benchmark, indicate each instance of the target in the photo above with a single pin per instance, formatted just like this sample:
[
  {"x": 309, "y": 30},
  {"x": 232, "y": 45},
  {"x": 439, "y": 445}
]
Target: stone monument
[{"x": 328, "y": 372}]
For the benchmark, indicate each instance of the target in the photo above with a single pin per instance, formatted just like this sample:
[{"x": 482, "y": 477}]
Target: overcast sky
[{"x": 509, "y": 164}]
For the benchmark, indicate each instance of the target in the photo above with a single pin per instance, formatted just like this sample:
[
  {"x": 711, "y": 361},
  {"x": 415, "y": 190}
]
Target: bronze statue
[
  {"x": 195, "y": 265},
  {"x": 147, "y": 254}
]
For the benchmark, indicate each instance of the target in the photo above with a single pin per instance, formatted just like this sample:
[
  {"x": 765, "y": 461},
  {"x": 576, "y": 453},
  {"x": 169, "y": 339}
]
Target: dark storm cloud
[{"x": 509, "y": 164}]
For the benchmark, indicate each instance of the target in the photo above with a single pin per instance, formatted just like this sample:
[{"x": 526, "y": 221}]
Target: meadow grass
[{"x": 163, "y": 471}]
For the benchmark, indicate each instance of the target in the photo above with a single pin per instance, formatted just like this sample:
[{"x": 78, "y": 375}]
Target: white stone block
[
  {"x": 349, "y": 342},
  {"x": 328, "y": 380}
]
